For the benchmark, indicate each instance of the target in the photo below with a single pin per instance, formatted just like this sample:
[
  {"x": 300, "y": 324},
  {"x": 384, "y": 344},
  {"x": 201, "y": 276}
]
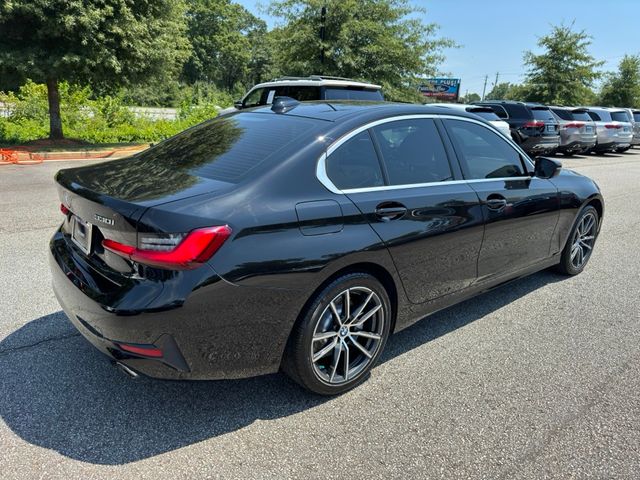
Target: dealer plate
[{"x": 81, "y": 234}]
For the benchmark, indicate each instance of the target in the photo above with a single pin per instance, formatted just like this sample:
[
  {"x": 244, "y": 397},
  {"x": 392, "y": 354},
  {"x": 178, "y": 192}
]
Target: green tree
[
  {"x": 227, "y": 43},
  {"x": 470, "y": 98},
  {"x": 382, "y": 41},
  {"x": 564, "y": 73},
  {"x": 499, "y": 91},
  {"x": 92, "y": 42},
  {"x": 622, "y": 88}
]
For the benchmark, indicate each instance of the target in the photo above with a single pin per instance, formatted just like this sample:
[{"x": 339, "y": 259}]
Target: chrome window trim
[{"x": 323, "y": 177}]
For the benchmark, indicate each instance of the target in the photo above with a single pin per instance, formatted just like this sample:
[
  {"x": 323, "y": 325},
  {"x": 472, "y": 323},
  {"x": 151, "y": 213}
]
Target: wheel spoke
[
  {"x": 588, "y": 224},
  {"x": 346, "y": 305},
  {"x": 335, "y": 313},
  {"x": 364, "y": 351},
  {"x": 325, "y": 350},
  {"x": 362, "y": 307},
  {"x": 585, "y": 244},
  {"x": 365, "y": 317},
  {"x": 373, "y": 336},
  {"x": 324, "y": 336},
  {"x": 346, "y": 361},
  {"x": 588, "y": 237},
  {"x": 336, "y": 359},
  {"x": 574, "y": 250}
]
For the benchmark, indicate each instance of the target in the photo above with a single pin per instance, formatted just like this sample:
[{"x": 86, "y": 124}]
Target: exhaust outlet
[{"x": 126, "y": 370}]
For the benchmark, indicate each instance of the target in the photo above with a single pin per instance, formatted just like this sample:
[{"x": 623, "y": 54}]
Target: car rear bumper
[
  {"x": 576, "y": 147},
  {"x": 220, "y": 331},
  {"x": 540, "y": 145},
  {"x": 605, "y": 147}
]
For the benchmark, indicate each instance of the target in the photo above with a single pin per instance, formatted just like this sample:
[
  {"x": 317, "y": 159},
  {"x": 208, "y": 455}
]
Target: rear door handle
[
  {"x": 496, "y": 202},
  {"x": 390, "y": 211}
]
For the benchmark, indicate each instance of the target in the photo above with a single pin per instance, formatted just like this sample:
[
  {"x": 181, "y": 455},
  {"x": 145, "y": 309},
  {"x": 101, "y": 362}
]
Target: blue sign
[{"x": 445, "y": 88}]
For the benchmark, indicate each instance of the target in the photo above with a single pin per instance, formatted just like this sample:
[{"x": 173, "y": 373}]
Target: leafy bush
[{"x": 103, "y": 119}]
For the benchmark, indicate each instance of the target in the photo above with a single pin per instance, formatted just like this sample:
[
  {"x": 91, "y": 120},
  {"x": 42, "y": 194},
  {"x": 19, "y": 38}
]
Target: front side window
[
  {"x": 482, "y": 152},
  {"x": 254, "y": 97},
  {"x": 412, "y": 152},
  {"x": 355, "y": 164}
]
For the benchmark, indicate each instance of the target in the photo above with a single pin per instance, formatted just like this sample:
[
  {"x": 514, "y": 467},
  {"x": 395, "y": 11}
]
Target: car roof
[
  {"x": 334, "y": 111},
  {"x": 317, "y": 81}
]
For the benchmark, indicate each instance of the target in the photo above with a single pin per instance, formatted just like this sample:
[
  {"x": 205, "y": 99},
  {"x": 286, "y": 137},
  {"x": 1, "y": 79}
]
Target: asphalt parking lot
[{"x": 538, "y": 379}]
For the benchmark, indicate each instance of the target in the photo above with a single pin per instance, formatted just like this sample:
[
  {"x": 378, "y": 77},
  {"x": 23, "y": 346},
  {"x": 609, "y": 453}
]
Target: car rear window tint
[
  {"x": 542, "y": 114},
  {"x": 581, "y": 116},
  {"x": 620, "y": 117},
  {"x": 487, "y": 115},
  {"x": 636, "y": 117},
  {"x": 412, "y": 152},
  {"x": 303, "y": 93},
  {"x": 355, "y": 164},
  {"x": 228, "y": 149},
  {"x": 563, "y": 114},
  {"x": 341, "y": 93},
  {"x": 483, "y": 153},
  {"x": 517, "y": 110}
]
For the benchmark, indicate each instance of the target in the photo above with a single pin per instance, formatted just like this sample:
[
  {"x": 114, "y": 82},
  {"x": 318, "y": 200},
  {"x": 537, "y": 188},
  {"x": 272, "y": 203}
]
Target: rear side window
[
  {"x": 517, "y": 110},
  {"x": 542, "y": 114},
  {"x": 636, "y": 116},
  {"x": 412, "y": 152},
  {"x": 486, "y": 114},
  {"x": 594, "y": 116},
  {"x": 344, "y": 93},
  {"x": 355, "y": 164},
  {"x": 620, "y": 117},
  {"x": 482, "y": 152},
  {"x": 563, "y": 114},
  {"x": 303, "y": 93},
  {"x": 581, "y": 115}
]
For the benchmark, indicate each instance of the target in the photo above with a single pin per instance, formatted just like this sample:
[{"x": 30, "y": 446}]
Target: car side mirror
[
  {"x": 238, "y": 104},
  {"x": 546, "y": 167}
]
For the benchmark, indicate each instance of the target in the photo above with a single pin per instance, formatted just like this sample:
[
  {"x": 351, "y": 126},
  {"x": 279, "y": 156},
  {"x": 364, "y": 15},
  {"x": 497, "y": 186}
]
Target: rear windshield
[
  {"x": 562, "y": 113},
  {"x": 345, "y": 93},
  {"x": 542, "y": 114},
  {"x": 581, "y": 115},
  {"x": 620, "y": 116},
  {"x": 227, "y": 149},
  {"x": 486, "y": 114}
]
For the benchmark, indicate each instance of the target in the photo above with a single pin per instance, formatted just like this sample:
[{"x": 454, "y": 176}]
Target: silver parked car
[
  {"x": 577, "y": 130},
  {"x": 634, "y": 116},
  {"x": 613, "y": 129},
  {"x": 486, "y": 113}
]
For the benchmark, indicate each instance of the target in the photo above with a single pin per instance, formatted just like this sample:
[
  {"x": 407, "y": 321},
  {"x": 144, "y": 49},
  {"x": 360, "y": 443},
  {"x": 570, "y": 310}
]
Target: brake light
[
  {"x": 143, "y": 350},
  {"x": 612, "y": 126},
  {"x": 534, "y": 123},
  {"x": 573, "y": 125},
  {"x": 176, "y": 251},
  {"x": 64, "y": 209}
]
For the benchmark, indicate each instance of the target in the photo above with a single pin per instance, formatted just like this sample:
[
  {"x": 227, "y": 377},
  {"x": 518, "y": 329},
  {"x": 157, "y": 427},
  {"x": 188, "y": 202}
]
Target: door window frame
[{"x": 454, "y": 161}]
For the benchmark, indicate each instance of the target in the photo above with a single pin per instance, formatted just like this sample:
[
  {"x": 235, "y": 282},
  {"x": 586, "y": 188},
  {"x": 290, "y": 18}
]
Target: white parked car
[
  {"x": 314, "y": 87},
  {"x": 484, "y": 112}
]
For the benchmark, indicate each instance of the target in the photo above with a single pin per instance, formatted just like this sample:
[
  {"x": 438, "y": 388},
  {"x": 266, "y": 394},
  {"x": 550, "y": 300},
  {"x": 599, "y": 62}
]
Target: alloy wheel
[
  {"x": 583, "y": 240},
  {"x": 347, "y": 335}
]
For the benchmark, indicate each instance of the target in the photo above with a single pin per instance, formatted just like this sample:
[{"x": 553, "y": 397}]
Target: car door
[
  {"x": 399, "y": 175},
  {"x": 521, "y": 211}
]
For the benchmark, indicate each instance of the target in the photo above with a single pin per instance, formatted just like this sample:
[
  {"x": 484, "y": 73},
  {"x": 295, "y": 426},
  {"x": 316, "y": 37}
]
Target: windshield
[{"x": 346, "y": 93}]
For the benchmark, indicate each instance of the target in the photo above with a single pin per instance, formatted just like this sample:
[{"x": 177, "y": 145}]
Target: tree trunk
[{"x": 55, "y": 122}]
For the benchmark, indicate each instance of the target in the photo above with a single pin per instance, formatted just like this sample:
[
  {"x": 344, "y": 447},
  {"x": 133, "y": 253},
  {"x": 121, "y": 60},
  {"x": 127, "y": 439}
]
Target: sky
[{"x": 493, "y": 34}]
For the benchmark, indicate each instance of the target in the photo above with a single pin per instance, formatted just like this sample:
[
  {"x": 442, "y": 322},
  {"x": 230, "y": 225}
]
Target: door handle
[
  {"x": 496, "y": 202},
  {"x": 390, "y": 211}
]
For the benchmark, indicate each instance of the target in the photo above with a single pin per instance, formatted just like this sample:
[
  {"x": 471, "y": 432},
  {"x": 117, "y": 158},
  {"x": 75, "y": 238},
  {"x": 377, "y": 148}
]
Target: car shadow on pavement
[{"x": 60, "y": 393}]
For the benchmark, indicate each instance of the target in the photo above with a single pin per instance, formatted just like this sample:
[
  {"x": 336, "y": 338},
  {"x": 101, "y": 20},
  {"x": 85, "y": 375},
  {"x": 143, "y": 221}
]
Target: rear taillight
[
  {"x": 64, "y": 209},
  {"x": 612, "y": 126},
  {"x": 142, "y": 350},
  {"x": 173, "y": 251},
  {"x": 573, "y": 125},
  {"x": 534, "y": 124}
]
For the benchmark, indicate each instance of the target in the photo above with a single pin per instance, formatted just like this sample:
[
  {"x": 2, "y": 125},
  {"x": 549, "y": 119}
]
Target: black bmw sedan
[{"x": 299, "y": 237}]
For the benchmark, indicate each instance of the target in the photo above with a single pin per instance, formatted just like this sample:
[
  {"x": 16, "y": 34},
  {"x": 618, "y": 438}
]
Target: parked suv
[
  {"x": 484, "y": 112},
  {"x": 577, "y": 130},
  {"x": 532, "y": 125},
  {"x": 613, "y": 129},
  {"x": 314, "y": 87},
  {"x": 634, "y": 116}
]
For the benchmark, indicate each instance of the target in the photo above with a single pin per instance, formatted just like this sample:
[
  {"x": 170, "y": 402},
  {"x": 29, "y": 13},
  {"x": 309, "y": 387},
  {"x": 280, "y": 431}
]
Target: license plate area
[
  {"x": 551, "y": 128},
  {"x": 588, "y": 129},
  {"x": 81, "y": 234}
]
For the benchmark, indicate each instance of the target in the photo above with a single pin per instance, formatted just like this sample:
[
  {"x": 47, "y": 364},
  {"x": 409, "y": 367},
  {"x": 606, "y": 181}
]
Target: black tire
[
  {"x": 568, "y": 264},
  {"x": 319, "y": 319}
]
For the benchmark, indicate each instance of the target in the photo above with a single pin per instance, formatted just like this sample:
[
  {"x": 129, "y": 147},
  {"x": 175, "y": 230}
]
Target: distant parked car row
[{"x": 544, "y": 130}]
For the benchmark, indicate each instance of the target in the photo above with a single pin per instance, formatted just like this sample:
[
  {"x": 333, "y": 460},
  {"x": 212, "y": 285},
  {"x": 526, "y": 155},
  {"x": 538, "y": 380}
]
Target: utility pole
[
  {"x": 495, "y": 84},
  {"x": 323, "y": 18},
  {"x": 484, "y": 89}
]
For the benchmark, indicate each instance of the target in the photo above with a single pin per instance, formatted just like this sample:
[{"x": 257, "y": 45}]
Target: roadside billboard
[{"x": 442, "y": 88}]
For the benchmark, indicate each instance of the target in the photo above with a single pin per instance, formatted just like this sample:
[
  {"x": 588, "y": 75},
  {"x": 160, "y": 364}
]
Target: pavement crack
[{"x": 8, "y": 351}]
